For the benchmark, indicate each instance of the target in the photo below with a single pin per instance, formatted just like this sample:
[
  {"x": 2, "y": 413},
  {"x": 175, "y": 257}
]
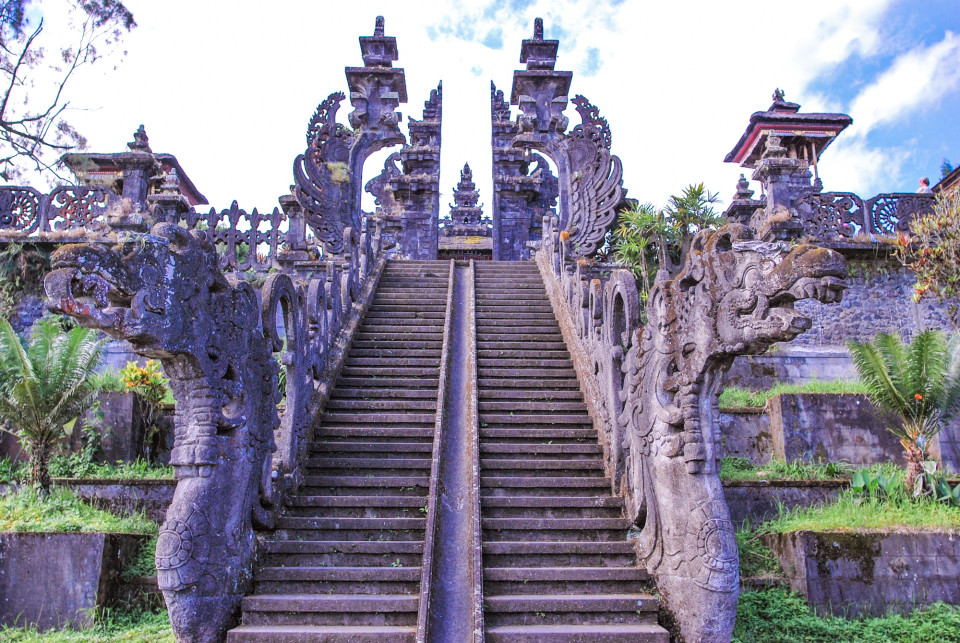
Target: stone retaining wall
[
  {"x": 870, "y": 573},
  {"x": 757, "y": 500},
  {"x": 52, "y": 580}
]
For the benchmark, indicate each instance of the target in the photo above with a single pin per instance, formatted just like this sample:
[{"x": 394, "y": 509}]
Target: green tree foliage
[
  {"x": 45, "y": 383},
  {"x": 919, "y": 383},
  {"x": 35, "y": 73},
  {"x": 932, "y": 251},
  {"x": 648, "y": 240}
]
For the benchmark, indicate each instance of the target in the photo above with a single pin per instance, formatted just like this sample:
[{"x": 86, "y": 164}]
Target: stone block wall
[
  {"x": 791, "y": 364},
  {"x": 879, "y": 298},
  {"x": 758, "y": 500},
  {"x": 816, "y": 427},
  {"x": 52, "y": 579},
  {"x": 870, "y": 573},
  {"x": 745, "y": 433}
]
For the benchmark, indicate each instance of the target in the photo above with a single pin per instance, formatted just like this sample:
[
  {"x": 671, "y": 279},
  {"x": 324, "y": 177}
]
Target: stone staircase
[
  {"x": 345, "y": 560},
  {"x": 556, "y": 562}
]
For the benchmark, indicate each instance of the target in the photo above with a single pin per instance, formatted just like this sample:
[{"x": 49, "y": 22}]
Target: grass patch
[
  {"x": 778, "y": 616},
  {"x": 76, "y": 466},
  {"x": 111, "y": 626},
  {"x": 143, "y": 563},
  {"x": 62, "y": 511},
  {"x": 756, "y": 559},
  {"x": 853, "y": 511},
  {"x": 734, "y": 396},
  {"x": 737, "y": 469}
]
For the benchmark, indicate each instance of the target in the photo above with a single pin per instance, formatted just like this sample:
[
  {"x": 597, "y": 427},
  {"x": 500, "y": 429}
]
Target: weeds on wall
[{"x": 22, "y": 269}]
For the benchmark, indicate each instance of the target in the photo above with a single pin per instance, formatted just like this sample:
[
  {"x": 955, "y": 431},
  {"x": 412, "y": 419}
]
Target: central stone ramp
[
  {"x": 556, "y": 562},
  {"x": 344, "y": 563}
]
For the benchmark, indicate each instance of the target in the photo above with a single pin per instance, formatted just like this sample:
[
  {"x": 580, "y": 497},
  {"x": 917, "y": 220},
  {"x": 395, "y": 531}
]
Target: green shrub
[
  {"x": 110, "y": 626},
  {"x": 63, "y": 511},
  {"x": 756, "y": 559},
  {"x": 74, "y": 466},
  {"x": 779, "y": 616},
  {"x": 733, "y": 396}
]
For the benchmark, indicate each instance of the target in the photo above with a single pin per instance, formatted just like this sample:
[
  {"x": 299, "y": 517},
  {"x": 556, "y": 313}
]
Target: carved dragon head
[
  {"x": 165, "y": 294},
  {"x": 734, "y": 296}
]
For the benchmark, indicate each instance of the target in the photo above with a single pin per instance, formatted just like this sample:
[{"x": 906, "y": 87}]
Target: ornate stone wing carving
[
  {"x": 322, "y": 176},
  {"x": 596, "y": 180}
]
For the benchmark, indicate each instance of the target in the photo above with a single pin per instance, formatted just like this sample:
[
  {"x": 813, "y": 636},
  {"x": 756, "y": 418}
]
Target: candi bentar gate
[{"x": 468, "y": 449}]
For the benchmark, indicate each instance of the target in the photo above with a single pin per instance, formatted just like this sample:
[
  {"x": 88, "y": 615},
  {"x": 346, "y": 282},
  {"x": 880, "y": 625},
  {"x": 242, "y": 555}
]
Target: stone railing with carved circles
[
  {"x": 26, "y": 210},
  {"x": 842, "y": 216},
  {"x": 245, "y": 241}
]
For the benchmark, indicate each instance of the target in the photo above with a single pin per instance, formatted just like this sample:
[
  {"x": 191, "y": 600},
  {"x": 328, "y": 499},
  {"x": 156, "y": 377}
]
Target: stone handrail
[
  {"x": 234, "y": 457},
  {"x": 651, "y": 389}
]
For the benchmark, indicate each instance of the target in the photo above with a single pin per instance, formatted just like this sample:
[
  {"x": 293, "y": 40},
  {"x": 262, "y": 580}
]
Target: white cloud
[
  {"x": 916, "y": 79},
  {"x": 230, "y": 91}
]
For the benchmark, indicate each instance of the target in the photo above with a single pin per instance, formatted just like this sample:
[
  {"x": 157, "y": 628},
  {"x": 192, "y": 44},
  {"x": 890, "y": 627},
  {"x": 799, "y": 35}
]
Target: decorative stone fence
[{"x": 845, "y": 216}]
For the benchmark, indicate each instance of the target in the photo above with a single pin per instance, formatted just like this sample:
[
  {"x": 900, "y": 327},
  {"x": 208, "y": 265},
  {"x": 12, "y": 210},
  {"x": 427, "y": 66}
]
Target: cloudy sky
[{"x": 229, "y": 87}]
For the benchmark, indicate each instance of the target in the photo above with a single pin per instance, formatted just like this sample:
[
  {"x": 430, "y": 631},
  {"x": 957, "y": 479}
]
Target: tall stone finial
[
  {"x": 140, "y": 142},
  {"x": 466, "y": 174},
  {"x": 537, "y": 53},
  {"x": 378, "y": 50}
]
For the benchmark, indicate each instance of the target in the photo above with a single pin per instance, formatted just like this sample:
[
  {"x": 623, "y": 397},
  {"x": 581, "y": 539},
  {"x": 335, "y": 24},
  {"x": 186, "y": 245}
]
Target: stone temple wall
[{"x": 879, "y": 297}]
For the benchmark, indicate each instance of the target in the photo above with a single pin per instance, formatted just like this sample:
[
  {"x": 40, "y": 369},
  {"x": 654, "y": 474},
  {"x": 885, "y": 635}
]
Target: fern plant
[
  {"x": 45, "y": 383},
  {"x": 919, "y": 383}
]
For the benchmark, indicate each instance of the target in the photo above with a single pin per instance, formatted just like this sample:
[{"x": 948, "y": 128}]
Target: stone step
[
  {"x": 366, "y": 466},
  {"x": 325, "y": 633},
  {"x": 392, "y": 362},
  {"x": 510, "y": 362},
  {"x": 542, "y": 394},
  {"x": 357, "y": 506},
  {"x": 387, "y": 353},
  {"x": 485, "y": 346},
  {"x": 544, "y": 486},
  {"x": 536, "y": 449},
  {"x": 562, "y": 580},
  {"x": 487, "y": 384},
  {"x": 379, "y": 372},
  {"x": 537, "y": 351},
  {"x": 335, "y": 609},
  {"x": 340, "y": 404},
  {"x": 541, "y": 467},
  {"x": 403, "y": 383},
  {"x": 337, "y": 580},
  {"x": 394, "y": 344},
  {"x": 399, "y": 433},
  {"x": 566, "y": 633},
  {"x": 373, "y": 335},
  {"x": 526, "y": 434},
  {"x": 555, "y": 529},
  {"x": 373, "y": 448},
  {"x": 377, "y": 417},
  {"x": 576, "y": 609},
  {"x": 537, "y": 419},
  {"x": 524, "y": 373},
  {"x": 342, "y": 553},
  {"x": 617, "y": 553},
  {"x": 388, "y": 312},
  {"x": 357, "y": 486},
  {"x": 532, "y": 406},
  {"x": 499, "y": 335}
]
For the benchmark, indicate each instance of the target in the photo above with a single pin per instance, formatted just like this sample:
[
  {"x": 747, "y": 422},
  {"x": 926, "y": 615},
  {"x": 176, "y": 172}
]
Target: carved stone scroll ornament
[
  {"x": 321, "y": 175},
  {"x": 165, "y": 294},
  {"x": 734, "y": 296},
  {"x": 591, "y": 178}
]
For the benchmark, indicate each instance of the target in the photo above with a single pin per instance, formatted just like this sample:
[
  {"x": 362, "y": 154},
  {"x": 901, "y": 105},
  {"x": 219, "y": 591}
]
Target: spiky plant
[
  {"x": 44, "y": 384},
  {"x": 919, "y": 383}
]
